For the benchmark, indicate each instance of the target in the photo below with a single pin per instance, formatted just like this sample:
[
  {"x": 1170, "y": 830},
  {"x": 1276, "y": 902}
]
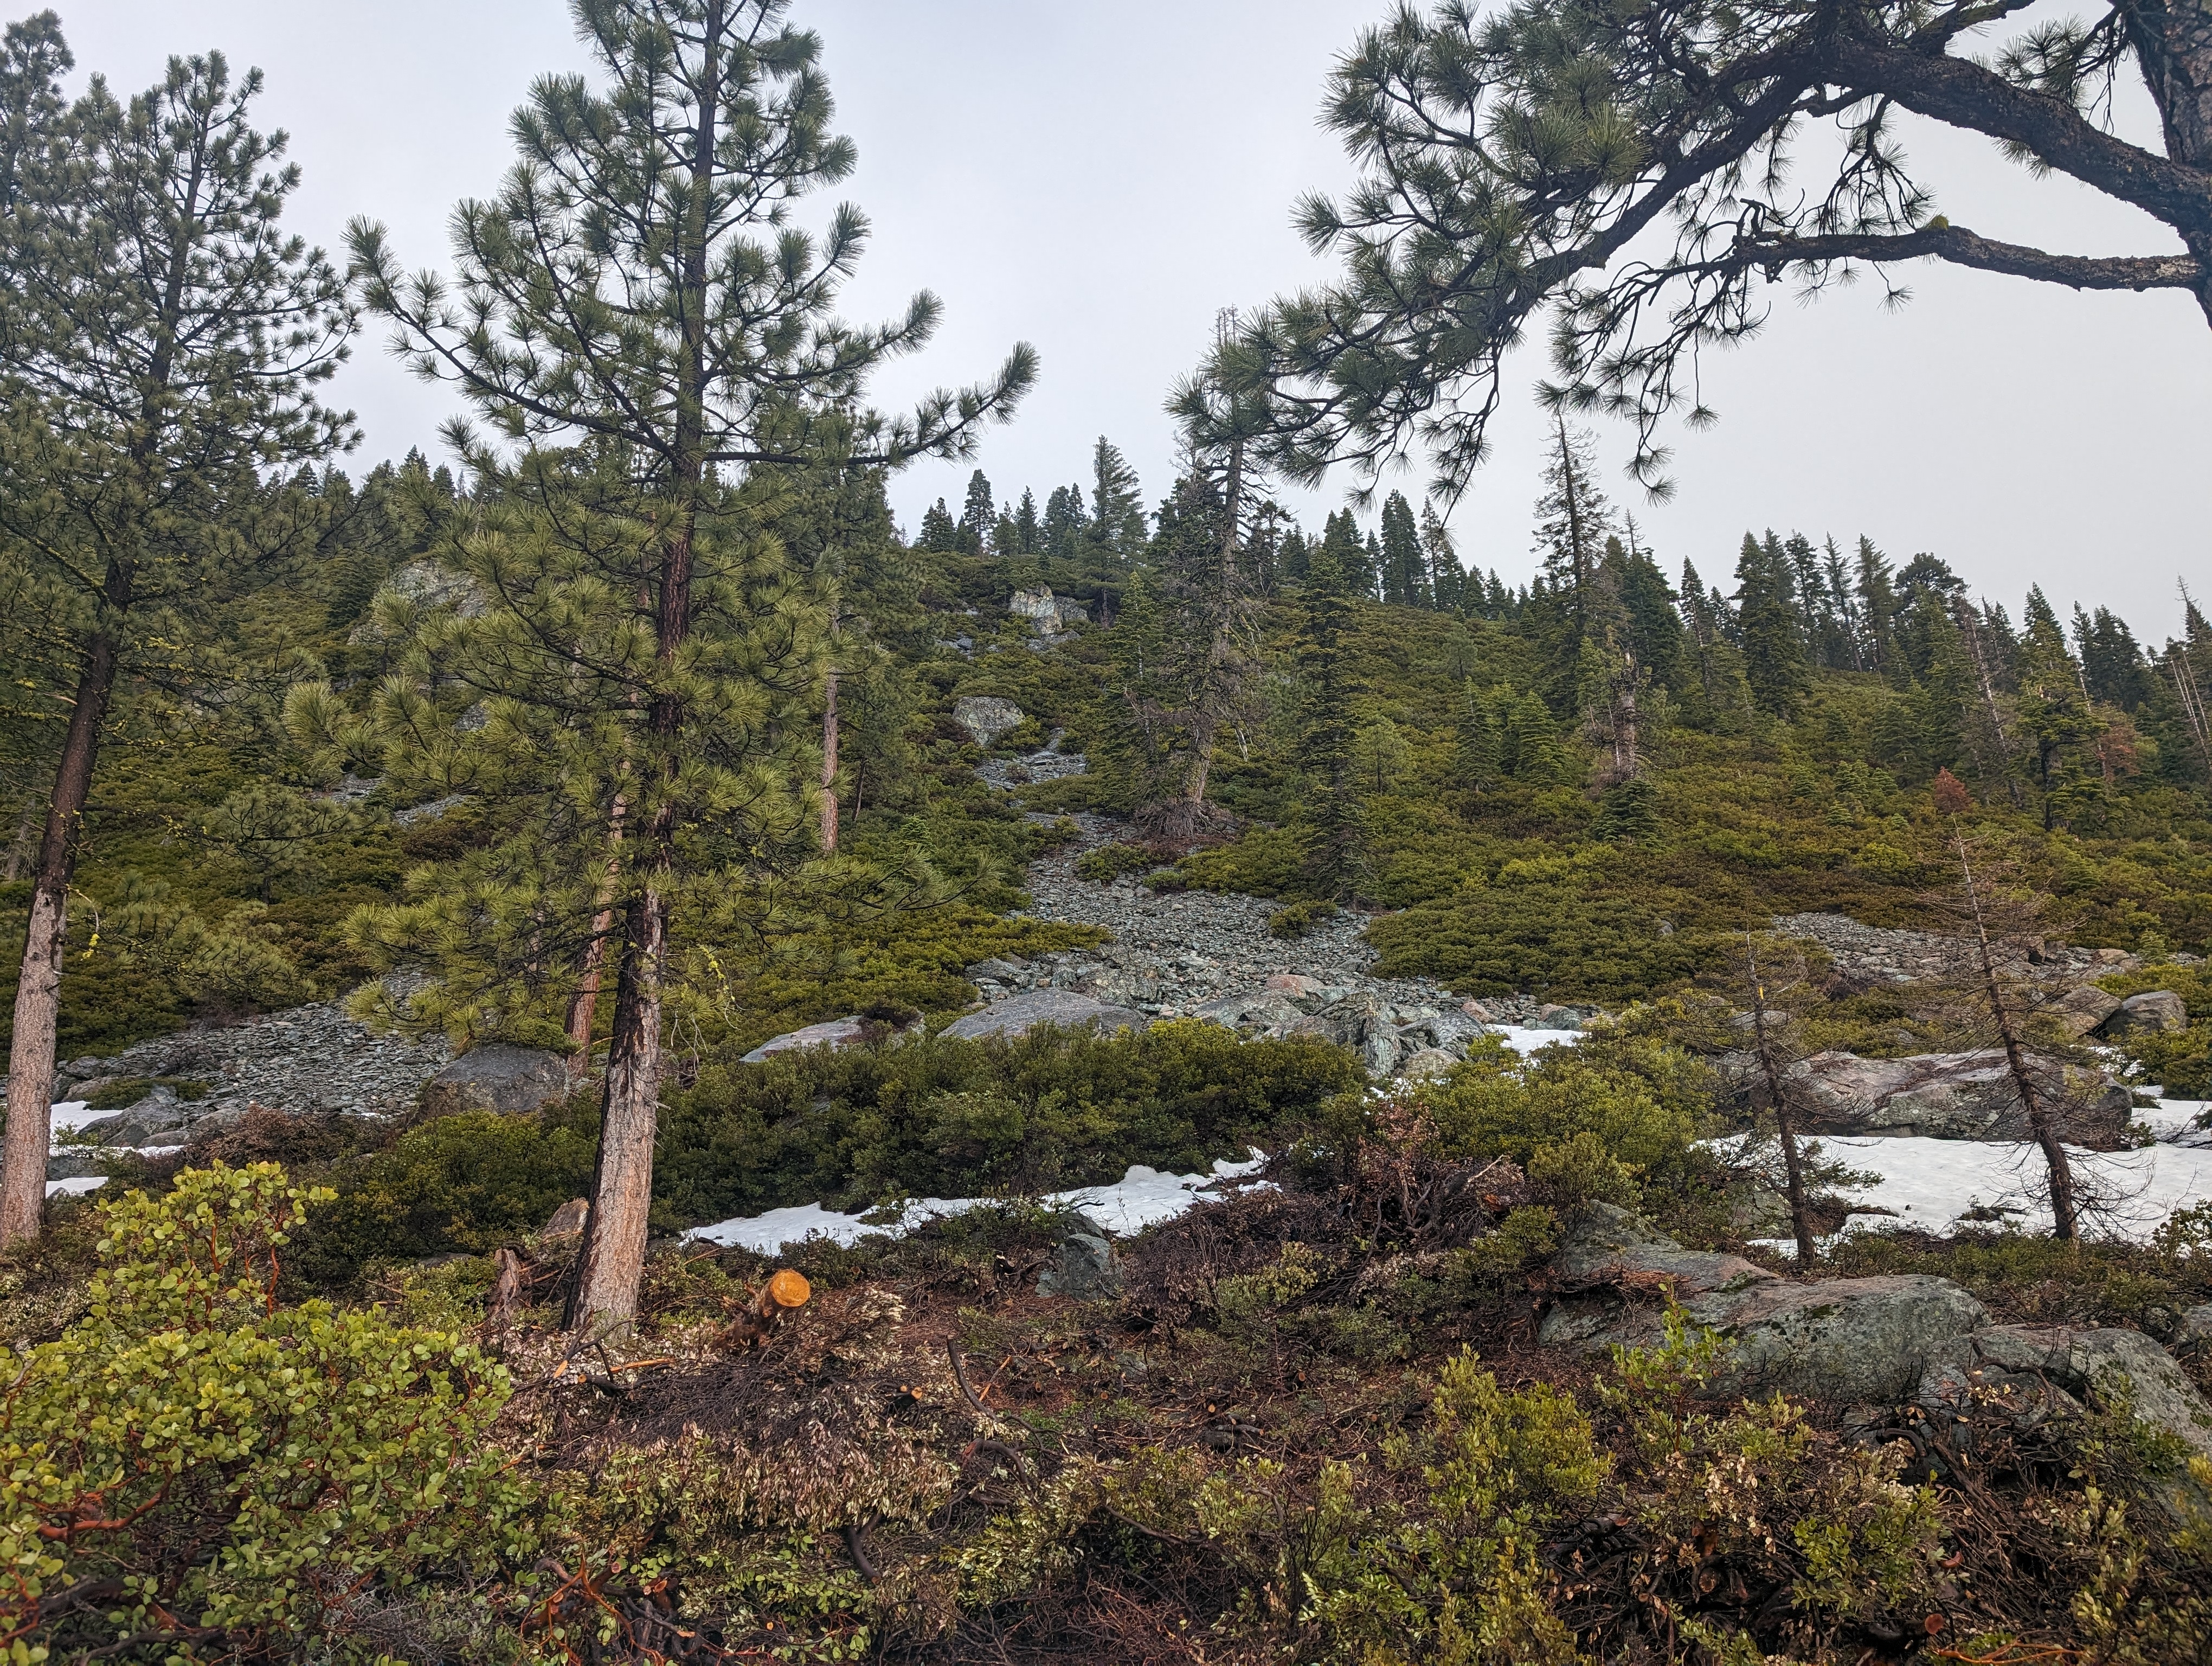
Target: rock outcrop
[
  {"x": 2154, "y": 1012},
  {"x": 497, "y": 1077},
  {"x": 1948, "y": 1096},
  {"x": 833, "y": 1033},
  {"x": 1843, "y": 1339},
  {"x": 1867, "y": 955},
  {"x": 1882, "y": 1341},
  {"x": 1018, "y": 1014},
  {"x": 2081, "y": 1009},
  {"x": 986, "y": 716}
]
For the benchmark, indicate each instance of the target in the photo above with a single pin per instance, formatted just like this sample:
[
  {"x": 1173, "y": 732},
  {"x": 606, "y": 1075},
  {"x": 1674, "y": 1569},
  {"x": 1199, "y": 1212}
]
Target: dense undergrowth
[{"x": 1315, "y": 1427}]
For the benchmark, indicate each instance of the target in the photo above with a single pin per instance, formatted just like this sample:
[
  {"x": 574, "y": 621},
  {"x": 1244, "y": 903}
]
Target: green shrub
[
  {"x": 941, "y": 1117},
  {"x": 193, "y": 1471},
  {"x": 1110, "y": 862},
  {"x": 1301, "y": 919},
  {"x": 463, "y": 1183},
  {"x": 1582, "y": 1127}
]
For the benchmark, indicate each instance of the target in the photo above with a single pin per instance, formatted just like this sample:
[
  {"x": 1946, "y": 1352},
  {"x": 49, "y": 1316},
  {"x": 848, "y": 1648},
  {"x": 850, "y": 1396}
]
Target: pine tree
[
  {"x": 1027, "y": 531},
  {"x": 1117, "y": 514},
  {"x": 1448, "y": 580},
  {"x": 1405, "y": 564},
  {"x": 940, "y": 534},
  {"x": 162, "y": 339},
  {"x": 1322, "y": 660},
  {"x": 1292, "y": 562},
  {"x": 1773, "y": 645},
  {"x": 977, "y": 516},
  {"x": 635, "y": 313}
]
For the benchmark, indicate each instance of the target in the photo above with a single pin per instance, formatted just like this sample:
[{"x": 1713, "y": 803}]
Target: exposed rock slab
[
  {"x": 2049, "y": 1371},
  {"x": 1868, "y": 955},
  {"x": 497, "y": 1077},
  {"x": 833, "y": 1033},
  {"x": 2154, "y": 1012},
  {"x": 1957, "y": 1096},
  {"x": 986, "y": 716},
  {"x": 1018, "y": 1014},
  {"x": 2081, "y": 1009},
  {"x": 1844, "y": 1340}
]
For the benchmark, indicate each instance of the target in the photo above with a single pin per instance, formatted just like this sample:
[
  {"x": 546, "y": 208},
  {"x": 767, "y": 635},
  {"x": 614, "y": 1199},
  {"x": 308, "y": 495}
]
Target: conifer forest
[{"x": 619, "y": 1054}]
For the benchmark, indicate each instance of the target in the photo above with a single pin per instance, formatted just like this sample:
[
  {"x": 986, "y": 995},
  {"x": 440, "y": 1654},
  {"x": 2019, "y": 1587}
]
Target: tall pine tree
[
  {"x": 162, "y": 338},
  {"x": 635, "y": 315}
]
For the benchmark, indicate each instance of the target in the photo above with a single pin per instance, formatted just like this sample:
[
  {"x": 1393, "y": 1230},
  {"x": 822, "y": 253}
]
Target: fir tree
[
  {"x": 1347, "y": 550},
  {"x": 2111, "y": 660},
  {"x": 1476, "y": 762},
  {"x": 2053, "y": 703},
  {"x": 162, "y": 339},
  {"x": 977, "y": 516},
  {"x": 940, "y": 534},
  {"x": 634, "y": 311},
  {"x": 1064, "y": 521},
  {"x": 1117, "y": 516},
  {"x": 1405, "y": 565},
  {"x": 1877, "y": 612},
  {"x": 1773, "y": 645},
  {"x": 1028, "y": 533},
  {"x": 1448, "y": 580},
  {"x": 1291, "y": 561},
  {"x": 1321, "y": 659}
]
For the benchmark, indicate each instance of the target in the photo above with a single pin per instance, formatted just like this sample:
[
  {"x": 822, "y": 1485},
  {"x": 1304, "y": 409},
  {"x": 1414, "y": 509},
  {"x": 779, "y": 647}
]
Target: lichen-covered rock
[
  {"x": 986, "y": 716},
  {"x": 1018, "y": 1014},
  {"x": 2105, "y": 1368},
  {"x": 497, "y": 1077},
  {"x": 1083, "y": 1267},
  {"x": 2081, "y": 1009},
  {"x": 1842, "y": 1339}
]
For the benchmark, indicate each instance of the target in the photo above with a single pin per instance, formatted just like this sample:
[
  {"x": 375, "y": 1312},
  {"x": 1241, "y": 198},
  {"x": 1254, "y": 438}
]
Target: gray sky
[{"x": 1099, "y": 179}]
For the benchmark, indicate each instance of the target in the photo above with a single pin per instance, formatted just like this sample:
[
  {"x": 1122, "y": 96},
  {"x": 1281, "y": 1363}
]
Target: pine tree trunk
[
  {"x": 39, "y": 992},
  {"x": 829, "y": 765},
  {"x": 611, "y": 1263},
  {"x": 584, "y": 1005},
  {"x": 20, "y": 843}
]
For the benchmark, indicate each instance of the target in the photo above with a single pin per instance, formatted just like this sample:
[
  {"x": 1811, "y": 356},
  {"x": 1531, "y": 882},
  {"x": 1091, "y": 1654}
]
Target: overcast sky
[{"x": 1100, "y": 179}]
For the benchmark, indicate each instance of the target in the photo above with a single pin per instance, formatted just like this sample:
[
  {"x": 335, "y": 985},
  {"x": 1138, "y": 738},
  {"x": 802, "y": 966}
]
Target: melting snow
[
  {"x": 1524, "y": 1040},
  {"x": 1143, "y": 1197},
  {"x": 1932, "y": 1183}
]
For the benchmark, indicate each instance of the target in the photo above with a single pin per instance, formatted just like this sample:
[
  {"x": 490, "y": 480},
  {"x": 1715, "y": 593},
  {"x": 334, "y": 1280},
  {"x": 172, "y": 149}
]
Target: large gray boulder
[
  {"x": 1957, "y": 1096},
  {"x": 2081, "y": 1009},
  {"x": 2050, "y": 1373},
  {"x": 497, "y": 1077},
  {"x": 833, "y": 1033},
  {"x": 986, "y": 716},
  {"x": 1082, "y": 1267},
  {"x": 1843, "y": 1339},
  {"x": 2154, "y": 1012},
  {"x": 1018, "y": 1014}
]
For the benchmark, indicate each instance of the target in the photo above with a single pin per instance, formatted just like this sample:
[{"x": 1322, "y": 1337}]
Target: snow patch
[
  {"x": 1525, "y": 1040},
  {"x": 1142, "y": 1197},
  {"x": 77, "y": 1187}
]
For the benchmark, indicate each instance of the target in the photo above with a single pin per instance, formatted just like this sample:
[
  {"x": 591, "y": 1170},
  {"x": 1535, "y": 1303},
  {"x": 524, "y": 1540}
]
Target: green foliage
[
  {"x": 1301, "y": 919},
  {"x": 1583, "y": 1126},
  {"x": 463, "y": 1183},
  {"x": 1110, "y": 862},
  {"x": 945, "y": 1118},
  {"x": 193, "y": 1466}
]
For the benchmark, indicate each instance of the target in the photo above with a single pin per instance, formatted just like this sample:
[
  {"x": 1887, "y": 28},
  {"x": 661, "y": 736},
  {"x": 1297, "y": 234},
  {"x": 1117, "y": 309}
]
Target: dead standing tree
[
  {"x": 1989, "y": 917},
  {"x": 1774, "y": 1039}
]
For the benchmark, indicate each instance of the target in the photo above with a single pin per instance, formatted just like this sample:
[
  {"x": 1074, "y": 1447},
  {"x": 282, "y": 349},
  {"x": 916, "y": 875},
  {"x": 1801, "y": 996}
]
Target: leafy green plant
[{"x": 192, "y": 1469}]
